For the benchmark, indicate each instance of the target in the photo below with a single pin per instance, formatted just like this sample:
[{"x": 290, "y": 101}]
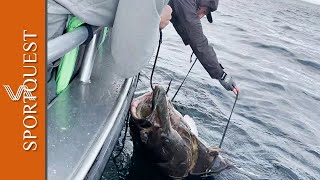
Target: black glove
[{"x": 227, "y": 82}]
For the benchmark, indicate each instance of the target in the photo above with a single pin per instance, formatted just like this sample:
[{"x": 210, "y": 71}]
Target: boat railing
[{"x": 61, "y": 45}]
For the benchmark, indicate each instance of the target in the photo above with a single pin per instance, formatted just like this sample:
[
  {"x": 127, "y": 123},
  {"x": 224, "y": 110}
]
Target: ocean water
[{"x": 272, "y": 49}]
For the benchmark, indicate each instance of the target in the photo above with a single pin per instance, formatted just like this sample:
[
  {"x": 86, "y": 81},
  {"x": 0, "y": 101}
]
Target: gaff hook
[
  {"x": 225, "y": 130},
  {"x": 155, "y": 60}
]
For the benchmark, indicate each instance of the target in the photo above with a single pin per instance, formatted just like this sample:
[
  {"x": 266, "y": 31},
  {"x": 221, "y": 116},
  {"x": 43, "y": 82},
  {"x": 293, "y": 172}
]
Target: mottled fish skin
[{"x": 158, "y": 130}]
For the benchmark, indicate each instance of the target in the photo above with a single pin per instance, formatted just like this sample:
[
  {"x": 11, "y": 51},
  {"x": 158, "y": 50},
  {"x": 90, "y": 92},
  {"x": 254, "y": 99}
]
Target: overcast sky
[{"x": 313, "y": 1}]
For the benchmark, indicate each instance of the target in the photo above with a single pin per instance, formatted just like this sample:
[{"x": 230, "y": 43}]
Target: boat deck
[{"x": 84, "y": 119}]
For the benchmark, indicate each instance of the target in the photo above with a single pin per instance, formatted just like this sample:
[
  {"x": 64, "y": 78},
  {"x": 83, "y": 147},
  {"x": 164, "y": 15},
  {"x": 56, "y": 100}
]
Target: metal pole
[
  {"x": 88, "y": 60},
  {"x": 59, "y": 46}
]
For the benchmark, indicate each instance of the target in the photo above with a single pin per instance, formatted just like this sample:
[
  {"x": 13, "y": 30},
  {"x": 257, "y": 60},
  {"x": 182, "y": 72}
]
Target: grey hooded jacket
[
  {"x": 188, "y": 26},
  {"x": 134, "y": 23}
]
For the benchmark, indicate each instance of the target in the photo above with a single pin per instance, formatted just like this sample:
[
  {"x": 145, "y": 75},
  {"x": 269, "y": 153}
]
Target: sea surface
[{"x": 272, "y": 50}]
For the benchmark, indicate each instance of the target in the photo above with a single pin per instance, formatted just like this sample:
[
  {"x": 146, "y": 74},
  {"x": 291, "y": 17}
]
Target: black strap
[{"x": 90, "y": 33}]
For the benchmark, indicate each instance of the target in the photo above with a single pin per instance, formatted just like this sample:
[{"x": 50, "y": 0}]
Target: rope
[
  {"x": 124, "y": 137},
  {"x": 121, "y": 149}
]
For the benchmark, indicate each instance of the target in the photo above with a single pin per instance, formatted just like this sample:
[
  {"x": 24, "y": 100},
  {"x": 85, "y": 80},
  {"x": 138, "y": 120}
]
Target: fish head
[
  {"x": 160, "y": 105},
  {"x": 151, "y": 107}
]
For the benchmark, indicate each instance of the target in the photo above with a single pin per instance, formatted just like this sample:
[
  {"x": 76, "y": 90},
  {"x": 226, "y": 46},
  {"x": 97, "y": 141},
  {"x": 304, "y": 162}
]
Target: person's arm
[{"x": 187, "y": 16}]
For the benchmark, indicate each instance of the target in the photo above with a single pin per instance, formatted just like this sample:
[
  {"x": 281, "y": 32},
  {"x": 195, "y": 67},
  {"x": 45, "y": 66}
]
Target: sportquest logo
[
  {"x": 25, "y": 97},
  {"x": 16, "y": 96}
]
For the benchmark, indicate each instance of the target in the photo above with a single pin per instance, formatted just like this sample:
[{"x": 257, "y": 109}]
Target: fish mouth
[
  {"x": 150, "y": 105},
  {"x": 141, "y": 107}
]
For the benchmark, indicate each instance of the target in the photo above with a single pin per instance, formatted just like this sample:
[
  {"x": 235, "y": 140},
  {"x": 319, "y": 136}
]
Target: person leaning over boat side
[{"x": 186, "y": 15}]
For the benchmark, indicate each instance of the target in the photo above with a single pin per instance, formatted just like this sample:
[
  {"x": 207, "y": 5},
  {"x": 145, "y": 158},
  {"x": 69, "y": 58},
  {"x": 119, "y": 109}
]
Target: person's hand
[
  {"x": 228, "y": 83},
  {"x": 165, "y": 16}
]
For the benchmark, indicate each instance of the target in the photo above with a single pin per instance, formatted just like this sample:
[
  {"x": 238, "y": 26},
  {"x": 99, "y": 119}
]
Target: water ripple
[
  {"x": 273, "y": 48},
  {"x": 309, "y": 63}
]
